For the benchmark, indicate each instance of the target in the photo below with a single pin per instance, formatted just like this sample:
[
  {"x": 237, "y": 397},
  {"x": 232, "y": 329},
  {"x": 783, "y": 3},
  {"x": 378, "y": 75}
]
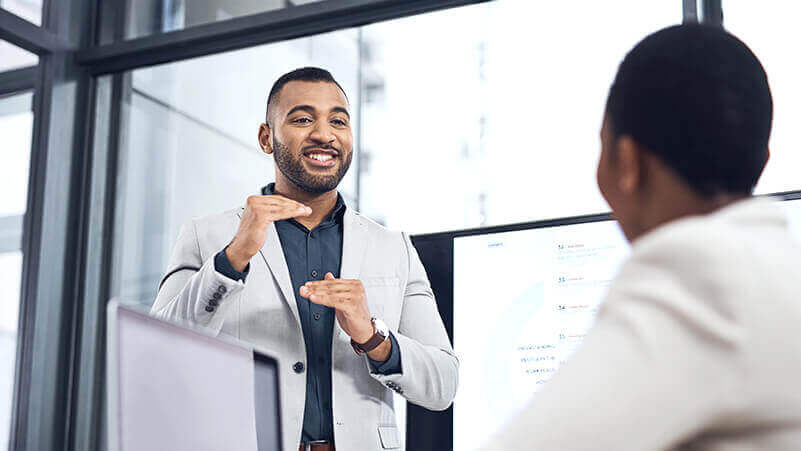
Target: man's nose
[{"x": 322, "y": 133}]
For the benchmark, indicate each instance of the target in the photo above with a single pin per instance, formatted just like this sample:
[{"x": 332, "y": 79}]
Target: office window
[
  {"x": 16, "y": 124},
  {"x": 490, "y": 114},
  {"x": 30, "y": 10},
  {"x": 13, "y": 57},
  {"x": 772, "y": 33},
  {"x": 145, "y": 17},
  {"x": 473, "y": 116}
]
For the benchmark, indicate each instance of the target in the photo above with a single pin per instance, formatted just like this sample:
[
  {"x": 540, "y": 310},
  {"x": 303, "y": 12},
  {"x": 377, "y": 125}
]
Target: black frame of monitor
[{"x": 427, "y": 430}]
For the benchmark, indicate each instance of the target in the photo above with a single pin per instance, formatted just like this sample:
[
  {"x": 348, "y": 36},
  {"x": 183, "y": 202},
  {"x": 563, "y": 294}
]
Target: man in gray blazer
[
  {"x": 343, "y": 303},
  {"x": 696, "y": 345}
]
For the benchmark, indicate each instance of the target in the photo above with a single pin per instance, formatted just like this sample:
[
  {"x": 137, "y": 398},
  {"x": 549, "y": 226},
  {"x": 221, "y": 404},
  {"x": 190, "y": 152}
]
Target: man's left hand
[{"x": 348, "y": 298}]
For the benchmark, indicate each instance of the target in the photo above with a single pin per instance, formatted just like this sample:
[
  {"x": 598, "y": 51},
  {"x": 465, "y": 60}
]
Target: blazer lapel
[
  {"x": 273, "y": 255},
  {"x": 354, "y": 245}
]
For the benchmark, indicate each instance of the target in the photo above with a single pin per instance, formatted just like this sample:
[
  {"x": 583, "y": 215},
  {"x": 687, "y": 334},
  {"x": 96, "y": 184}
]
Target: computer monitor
[
  {"x": 517, "y": 301},
  {"x": 172, "y": 387},
  {"x": 523, "y": 302}
]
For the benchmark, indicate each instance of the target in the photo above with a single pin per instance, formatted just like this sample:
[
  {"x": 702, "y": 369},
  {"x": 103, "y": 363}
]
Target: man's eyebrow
[
  {"x": 339, "y": 109},
  {"x": 307, "y": 108}
]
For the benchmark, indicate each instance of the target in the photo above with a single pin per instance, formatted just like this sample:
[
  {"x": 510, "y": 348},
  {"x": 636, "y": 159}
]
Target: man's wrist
[
  {"x": 237, "y": 260},
  {"x": 365, "y": 336}
]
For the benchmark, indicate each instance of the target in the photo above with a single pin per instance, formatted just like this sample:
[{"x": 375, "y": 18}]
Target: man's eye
[
  {"x": 302, "y": 120},
  {"x": 339, "y": 122}
]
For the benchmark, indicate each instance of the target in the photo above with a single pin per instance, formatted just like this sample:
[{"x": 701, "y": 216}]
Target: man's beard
[{"x": 292, "y": 168}]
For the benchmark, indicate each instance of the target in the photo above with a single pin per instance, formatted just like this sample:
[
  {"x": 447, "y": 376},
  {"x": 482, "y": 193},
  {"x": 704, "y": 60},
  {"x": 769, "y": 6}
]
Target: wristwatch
[{"x": 381, "y": 334}]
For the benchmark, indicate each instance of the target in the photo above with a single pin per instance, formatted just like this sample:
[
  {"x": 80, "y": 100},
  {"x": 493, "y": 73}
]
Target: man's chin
[{"x": 319, "y": 185}]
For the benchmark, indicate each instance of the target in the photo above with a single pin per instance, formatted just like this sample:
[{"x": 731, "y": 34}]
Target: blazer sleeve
[
  {"x": 429, "y": 367},
  {"x": 192, "y": 291},
  {"x": 663, "y": 361}
]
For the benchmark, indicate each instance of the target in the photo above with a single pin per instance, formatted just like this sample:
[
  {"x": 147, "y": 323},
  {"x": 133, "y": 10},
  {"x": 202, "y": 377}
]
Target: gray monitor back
[{"x": 174, "y": 388}]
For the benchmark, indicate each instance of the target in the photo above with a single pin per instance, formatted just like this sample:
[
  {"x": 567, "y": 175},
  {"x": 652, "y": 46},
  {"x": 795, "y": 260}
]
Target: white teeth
[{"x": 319, "y": 157}]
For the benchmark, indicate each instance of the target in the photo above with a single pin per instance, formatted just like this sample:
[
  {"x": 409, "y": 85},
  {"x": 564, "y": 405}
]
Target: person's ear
[
  {"x": 265, "y": 138},
  {"x": 629, "y": 165}
]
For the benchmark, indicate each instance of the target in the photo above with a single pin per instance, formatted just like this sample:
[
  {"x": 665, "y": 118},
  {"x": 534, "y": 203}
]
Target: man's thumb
[{"x": 329, "y": 276}]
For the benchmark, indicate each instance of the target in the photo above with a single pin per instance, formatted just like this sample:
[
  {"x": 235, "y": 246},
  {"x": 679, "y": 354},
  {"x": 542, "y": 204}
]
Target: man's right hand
[{"x": 259, "y": 212}]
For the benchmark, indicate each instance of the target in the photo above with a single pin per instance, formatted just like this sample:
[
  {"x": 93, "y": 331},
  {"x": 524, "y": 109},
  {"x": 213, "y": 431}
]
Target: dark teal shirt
[{"x": 309, "y": 255}]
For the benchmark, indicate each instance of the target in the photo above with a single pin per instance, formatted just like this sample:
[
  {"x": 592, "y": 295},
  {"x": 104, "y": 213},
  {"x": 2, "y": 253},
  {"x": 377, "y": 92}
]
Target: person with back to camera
[
  {"x": 696, "y": 345},
  {"x": 344, "y": 303}
]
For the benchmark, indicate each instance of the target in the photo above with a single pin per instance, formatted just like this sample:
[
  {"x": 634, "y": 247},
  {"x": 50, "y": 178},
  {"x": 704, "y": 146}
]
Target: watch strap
[{"x": 374, "y": 342}]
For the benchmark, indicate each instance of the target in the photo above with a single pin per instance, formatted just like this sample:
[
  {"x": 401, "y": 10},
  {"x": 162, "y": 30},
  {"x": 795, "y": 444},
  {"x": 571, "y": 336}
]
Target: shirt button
[
  {"x": 317, "y": 316},
  {"x": 314, "y": 273},
  {"x": 298, "y": 367}
]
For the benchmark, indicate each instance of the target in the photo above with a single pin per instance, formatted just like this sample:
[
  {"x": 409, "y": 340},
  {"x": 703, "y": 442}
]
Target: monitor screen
[{"x": 523, "y": 302}]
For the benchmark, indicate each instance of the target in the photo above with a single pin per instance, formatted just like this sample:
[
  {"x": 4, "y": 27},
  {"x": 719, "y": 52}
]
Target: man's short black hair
[
  {"x": 301, "y": 74},
  {"x": 697, "y": 98}
]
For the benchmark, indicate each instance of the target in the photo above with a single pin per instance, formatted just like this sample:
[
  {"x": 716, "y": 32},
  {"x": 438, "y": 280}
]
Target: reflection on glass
[
  {"x": 30, "y": 10},
  {"x": 147, "y": 17},
  {"x": 13, "y": 57},
  {"x": 770, "y": 31},
  {"x": 16, "y": 124}
]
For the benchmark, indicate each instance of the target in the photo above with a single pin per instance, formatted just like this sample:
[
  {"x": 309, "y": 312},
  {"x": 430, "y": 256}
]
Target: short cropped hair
[
  {"x": 301, "y": 74},
  {"x": 697, "y": 98}
]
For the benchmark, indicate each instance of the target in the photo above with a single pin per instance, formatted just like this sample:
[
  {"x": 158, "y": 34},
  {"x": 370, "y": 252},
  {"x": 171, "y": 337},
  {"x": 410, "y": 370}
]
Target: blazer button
[
  {"x": 209, "y": 308},
  {"x": 298, "y": 367}
]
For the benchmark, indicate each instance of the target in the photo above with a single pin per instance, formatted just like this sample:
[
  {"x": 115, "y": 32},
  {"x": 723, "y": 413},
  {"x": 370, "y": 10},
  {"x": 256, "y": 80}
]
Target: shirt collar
[{"x": 336, "y": 213}]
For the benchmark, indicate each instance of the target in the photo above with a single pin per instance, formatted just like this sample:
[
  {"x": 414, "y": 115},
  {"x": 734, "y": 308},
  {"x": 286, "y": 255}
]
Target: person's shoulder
[
  {"x": 219, "y": 219},
  {"x": 379, "y": 234},
  {"x": 716, "y": 237}
]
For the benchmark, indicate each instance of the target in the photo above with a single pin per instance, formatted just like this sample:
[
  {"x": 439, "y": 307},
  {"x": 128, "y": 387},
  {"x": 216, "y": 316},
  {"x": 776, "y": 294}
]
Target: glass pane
[
  {"x": 773, "y": 35},
  {"x": 16, "y": 124},
  {"x": 13, "y": 57},
  {"x": 490, "y": 114},
  {"x": 30, "y": 10},
  {"x": 147, "y": 17}
]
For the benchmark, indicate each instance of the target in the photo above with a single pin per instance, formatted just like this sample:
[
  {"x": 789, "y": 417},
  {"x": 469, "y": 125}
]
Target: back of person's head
[
  {"x": 308, "y": 74},
  {"x": 698, "y": 99}
]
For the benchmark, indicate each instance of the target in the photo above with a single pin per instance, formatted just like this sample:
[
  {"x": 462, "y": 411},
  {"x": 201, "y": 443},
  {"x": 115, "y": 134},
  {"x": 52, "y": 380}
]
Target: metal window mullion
[
  {"x": 30, "y": 37},
  {"x": 256, "y": 29},
  {"x": 18, "y": 80}
]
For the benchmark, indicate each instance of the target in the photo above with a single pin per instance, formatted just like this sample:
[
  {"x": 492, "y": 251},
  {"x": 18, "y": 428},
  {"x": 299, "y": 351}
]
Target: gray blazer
[{"x": 263, "y": 311}]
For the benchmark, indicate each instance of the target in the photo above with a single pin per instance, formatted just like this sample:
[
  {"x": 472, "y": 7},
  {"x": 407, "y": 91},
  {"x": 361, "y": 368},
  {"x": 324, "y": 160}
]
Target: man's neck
[{"x": 321, "y": 204}]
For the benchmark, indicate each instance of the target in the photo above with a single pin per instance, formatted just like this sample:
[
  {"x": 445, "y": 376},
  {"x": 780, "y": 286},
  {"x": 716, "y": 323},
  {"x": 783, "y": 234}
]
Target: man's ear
[
  {"x": 630, "y": 165},
  {"x": 265, "y": 138}
]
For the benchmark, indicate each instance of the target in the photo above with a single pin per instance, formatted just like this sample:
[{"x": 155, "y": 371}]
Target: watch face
[{"x": 381, "y": 327}]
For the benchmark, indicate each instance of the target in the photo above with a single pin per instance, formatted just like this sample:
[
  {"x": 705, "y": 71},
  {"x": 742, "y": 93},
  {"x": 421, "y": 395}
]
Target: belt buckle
[{"x": 308, "y": 445}]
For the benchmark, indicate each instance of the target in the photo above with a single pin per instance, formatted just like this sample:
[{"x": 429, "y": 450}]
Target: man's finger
[
  {"x": 289, "y": 203},
  {"x": 289, "y": 211},
  {"x": 325, "y": 300},
  {"x": 329, "y": 276}
]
